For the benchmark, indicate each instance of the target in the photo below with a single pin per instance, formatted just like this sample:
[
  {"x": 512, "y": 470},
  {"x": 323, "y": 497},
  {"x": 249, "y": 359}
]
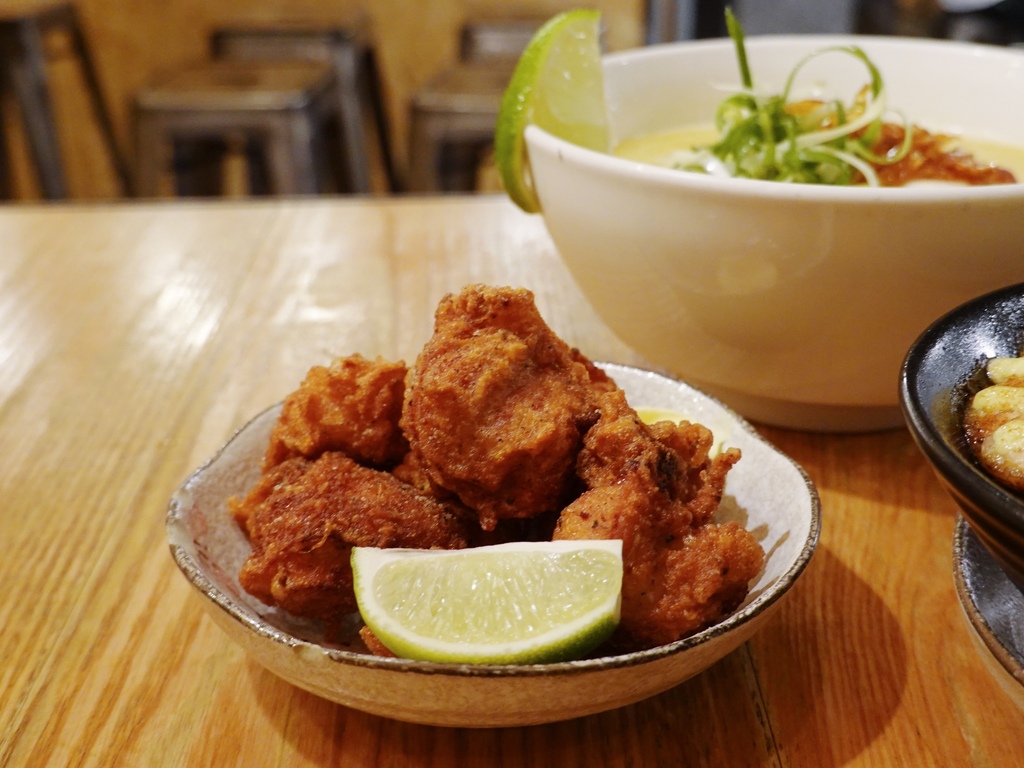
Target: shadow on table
[
  {"x": 801, "y": 690},
  {"x": 827, "y": 697}
]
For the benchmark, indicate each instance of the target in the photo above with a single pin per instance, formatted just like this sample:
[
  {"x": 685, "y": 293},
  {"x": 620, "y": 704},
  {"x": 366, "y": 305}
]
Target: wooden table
[{"x": 135, "y": 339}]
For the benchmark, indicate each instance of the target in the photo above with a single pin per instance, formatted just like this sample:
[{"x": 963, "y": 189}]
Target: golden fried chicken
[
  {"x": 280, "y": 475},
  {"x": 931, "y": 157},
  {"x": 499, "y": 432},
  {"x": 353, "y": 407},
  {"x": 656, "y": 488},
  {"x": 373, "y": 643},
  {"x": 304, "y": 517},
  {"x": 599, "y": 380},
  {"x": 496, "y": 405}
]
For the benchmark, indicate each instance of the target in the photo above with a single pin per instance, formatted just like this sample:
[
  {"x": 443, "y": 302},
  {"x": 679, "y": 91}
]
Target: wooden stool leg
[
  {"x": 92, "y": 84},
  {"x": 26, "y": 70}
]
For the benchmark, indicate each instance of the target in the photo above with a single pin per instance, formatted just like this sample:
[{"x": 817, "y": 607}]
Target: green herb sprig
[{"x": 773, "y": 139}]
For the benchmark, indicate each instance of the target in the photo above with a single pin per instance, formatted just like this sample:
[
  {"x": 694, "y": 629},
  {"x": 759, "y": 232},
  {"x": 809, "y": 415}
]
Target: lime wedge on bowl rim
[
  {"x": 515, "y": 603},
  {"x": 557, "y": 85}
]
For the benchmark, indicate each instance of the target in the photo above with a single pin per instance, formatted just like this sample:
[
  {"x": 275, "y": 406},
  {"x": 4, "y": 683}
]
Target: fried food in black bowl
[{"x": 941, "y": 373}]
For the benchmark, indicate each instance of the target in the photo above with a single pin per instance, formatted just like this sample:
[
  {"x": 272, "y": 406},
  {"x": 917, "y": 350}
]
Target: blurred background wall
[{"x": 414, "y": 40}]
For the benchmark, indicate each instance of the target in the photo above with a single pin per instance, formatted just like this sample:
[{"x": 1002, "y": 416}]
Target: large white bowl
[
  {"x": 765, "y": 490},
  {"x": 795, "y": 304}
]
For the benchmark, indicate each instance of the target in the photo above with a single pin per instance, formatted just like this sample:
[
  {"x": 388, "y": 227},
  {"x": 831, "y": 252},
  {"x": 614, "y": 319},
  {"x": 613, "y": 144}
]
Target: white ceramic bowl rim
[
  {"x": 183, "y": 553},
  {"x": 759, "y": 189}
]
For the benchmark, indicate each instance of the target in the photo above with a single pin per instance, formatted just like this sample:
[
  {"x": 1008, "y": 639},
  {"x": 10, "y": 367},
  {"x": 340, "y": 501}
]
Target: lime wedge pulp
[
  {"x": 515, "y": 603},
  {"x": 557, "y": 85},
  {"x": 722, "y": 430},
  {"x": 649, "y": 415}
]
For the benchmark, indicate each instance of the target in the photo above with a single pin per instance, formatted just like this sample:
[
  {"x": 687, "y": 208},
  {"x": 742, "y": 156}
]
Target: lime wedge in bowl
[
  {"x": 557, "y": 85},
  {"x": 516, "y": 603},
  {"x": 650, "y": 415}
]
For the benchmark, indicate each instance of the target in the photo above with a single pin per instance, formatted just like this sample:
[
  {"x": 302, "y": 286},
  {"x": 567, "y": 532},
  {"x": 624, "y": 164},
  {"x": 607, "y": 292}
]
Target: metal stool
[
  {"x": 357, "y": 85},
  {"x": 278, "y": 108},
  {"x": 496, "y": 40},
  {"x": 452, "y": 117},
  {"x": 671, "y": 20},
  {"x": 452, "y": 126},
  {"x": 23, "y": 57}
]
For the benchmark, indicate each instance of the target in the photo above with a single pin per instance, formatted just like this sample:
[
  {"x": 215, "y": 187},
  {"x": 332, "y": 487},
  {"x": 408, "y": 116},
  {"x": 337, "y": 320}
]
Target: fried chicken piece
[
  {"x": 930, "y": 158},
  {"x": 496, "y": 406},
  {"x": 534, "y": 529},
  {"x": 599, "y": 380},
  {"x": 671, "y": 455},
  {"x": 353, "y": 407},
  {"x": 373, "y": 643},
  {"x": 656, "y": 488},
  {"x": 285, "y": 474},
  {"x": 305, "y": 516}
]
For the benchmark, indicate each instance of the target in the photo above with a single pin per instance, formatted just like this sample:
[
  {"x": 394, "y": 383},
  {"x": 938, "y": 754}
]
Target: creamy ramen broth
[{"x": 664, "y": 148}]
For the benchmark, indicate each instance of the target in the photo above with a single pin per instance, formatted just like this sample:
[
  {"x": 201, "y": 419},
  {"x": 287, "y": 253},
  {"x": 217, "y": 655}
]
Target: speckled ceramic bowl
[
  {"x": 994, "y": 608},
  {"x": 941, "y": 371},
  {"x": 766, "y": 491}
]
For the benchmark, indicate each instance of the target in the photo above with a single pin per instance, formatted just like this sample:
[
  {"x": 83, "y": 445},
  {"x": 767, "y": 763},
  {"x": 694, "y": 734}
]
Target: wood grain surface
[{"x": 135, "y": 339}]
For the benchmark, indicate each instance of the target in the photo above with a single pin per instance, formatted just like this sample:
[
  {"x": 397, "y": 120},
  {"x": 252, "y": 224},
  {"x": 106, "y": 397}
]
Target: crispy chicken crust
[
  {"x": 930, "y": 159},
  {"x": 353, "y": 406},
  {"x": 496, "y": 406},
  {"x": 656, "y": 488},
  {"x": 305, "y": 516},
  {"x": 499, "y": 432}
]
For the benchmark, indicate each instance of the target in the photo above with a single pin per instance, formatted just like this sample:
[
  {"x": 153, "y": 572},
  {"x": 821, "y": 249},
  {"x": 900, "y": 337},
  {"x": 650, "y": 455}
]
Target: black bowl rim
[{"x": 965, "y": 476}]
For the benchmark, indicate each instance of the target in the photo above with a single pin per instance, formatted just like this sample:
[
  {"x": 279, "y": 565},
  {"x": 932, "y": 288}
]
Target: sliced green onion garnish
[{"x": 768, "y": 137}]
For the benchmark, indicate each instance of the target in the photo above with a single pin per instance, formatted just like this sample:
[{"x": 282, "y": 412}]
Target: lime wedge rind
[
  {"x": 558, "y": 85},
  {"x": 401, "y": 627},
  {"x": 550, "y": 648}
]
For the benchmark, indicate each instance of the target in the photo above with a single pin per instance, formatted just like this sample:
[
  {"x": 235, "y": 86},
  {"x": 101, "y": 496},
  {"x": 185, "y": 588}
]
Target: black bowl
[{"x": 943, "y": 368}]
